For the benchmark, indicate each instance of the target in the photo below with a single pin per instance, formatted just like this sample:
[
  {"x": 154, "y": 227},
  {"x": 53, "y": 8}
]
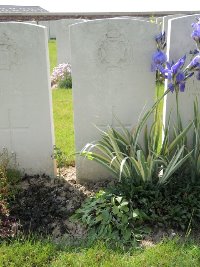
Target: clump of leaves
[
  {"x": 110, "y": 217},
  {"x": 60, "y": 157},
  {"x": 124, "y": 214}
]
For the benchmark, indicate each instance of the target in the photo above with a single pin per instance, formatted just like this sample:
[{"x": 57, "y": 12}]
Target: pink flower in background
[{"x": 61, "y": 72}]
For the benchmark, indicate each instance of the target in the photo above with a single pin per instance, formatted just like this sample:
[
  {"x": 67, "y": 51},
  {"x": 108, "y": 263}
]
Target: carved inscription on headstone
[
  {"x": 114, "y": 50},
  {"x": 9, "y": 52}
]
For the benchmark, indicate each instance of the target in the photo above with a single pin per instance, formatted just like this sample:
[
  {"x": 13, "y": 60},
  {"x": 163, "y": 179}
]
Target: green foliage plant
[
  {"x": 60, "y": 158},
  {"x": 110, "y": 217},
  {"x": 122, "y": 153}
]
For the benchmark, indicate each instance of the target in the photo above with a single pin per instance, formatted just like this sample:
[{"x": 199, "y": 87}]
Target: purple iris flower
[
  {"x": 195, "y": 63},
  {"x": 196, "y": 31},
  {"x": 180, "y": 76},
  {"x": 180, "y": 82},
  {"x": 171, "y": 87},
  {"x": 175, "y": 75},
  {"x": 182, "y": 86},
  {"x": 172, "y": 69},
  {"x": 160, "y": 40},
  {"x": 180, "y": 79},
  {"x": 178, "y": 65},
  {"x": 158, "y": 59}
]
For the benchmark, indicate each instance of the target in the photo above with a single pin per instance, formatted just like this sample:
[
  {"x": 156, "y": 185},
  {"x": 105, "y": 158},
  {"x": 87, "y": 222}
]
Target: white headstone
[
  {"x": 53, "y": 29},
  {"x": 26, "y": 126},
  {"x": 166, "y": 19},
  {"x": 62, "y": 39},
  {"x": 179, "y": 44},
  {"x": 45, "y": 24},
  {"x": 31, "y": 22},
  {"x": 111, "y": 77}
]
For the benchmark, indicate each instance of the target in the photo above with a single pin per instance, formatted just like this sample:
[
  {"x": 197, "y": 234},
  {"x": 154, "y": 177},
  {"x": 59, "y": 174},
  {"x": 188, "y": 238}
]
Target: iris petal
[
  {"x": 180, "y": 76},
  {"x": 182, "y": 86},
  {"x": 171, "y": 87},
  {"x": 179, "y": 64}
]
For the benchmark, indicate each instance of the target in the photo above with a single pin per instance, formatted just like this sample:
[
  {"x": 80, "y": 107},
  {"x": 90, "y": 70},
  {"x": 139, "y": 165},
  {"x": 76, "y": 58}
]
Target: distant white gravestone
[
  {"x": 26, "y": 126},
  {"x": 62, "y": 39},
  {"x": 111, "y": 75},
  {"x": 166, "y": 20},
  {"x": 53, "y": 29},
  {"x": 179, "y": 44},
  {"x": 45, "y": 24}
]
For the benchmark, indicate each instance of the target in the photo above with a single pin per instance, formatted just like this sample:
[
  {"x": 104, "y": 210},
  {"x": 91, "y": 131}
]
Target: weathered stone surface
[
  {"x": 111, "y": 78},
  {"x": 26, "y": 126},
  {"x": 166, "y": 19},
  {"x": 179, "y": 44},
  {"x": 62, "y": 38}
]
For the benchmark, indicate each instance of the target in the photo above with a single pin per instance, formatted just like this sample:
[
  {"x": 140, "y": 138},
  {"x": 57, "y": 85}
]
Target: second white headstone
[{"x": 111, "y": 75}]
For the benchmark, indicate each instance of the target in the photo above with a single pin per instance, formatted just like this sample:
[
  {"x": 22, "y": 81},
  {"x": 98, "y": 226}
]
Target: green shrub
[
  {"x": 123, "y": 154},
  {"x": 110, "y": 217},
  {"x": 65, "y": 83},
  {"x": 127, "y": 212}
]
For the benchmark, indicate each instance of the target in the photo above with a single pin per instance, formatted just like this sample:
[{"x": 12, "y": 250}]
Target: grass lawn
[
  {"x": 37, "y": 253},
  {"x": 63, "y": 122},
  {"x": 52, "y": 54},
  {"x": 62, "y": 113}
]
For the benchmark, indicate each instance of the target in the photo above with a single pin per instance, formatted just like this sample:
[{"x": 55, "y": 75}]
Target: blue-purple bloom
[
  {"x": 160, "y": 40},
  {"x": 171, "y": 87},
  {"x": 173, "y": 72},
  {"x": 196, "y": 31},
  {"x": 158, "y": 59},
  {"x": 180, "y": 76},
  {"x": 195, "y": 63},
  {"x": 179, "y": 64}
]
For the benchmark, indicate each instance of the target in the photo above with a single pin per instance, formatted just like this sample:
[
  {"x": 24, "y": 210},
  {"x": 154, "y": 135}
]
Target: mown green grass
[
  {"x": 52, "y": 54},
  {"x": 63, "y": 122},
  {"x": 62, "y": 113},
  {"x": 38, "y": 253}
]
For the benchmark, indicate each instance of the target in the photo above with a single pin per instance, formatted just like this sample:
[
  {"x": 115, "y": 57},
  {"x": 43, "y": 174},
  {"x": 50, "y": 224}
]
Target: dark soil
[{"x": 43, "y": 206}]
